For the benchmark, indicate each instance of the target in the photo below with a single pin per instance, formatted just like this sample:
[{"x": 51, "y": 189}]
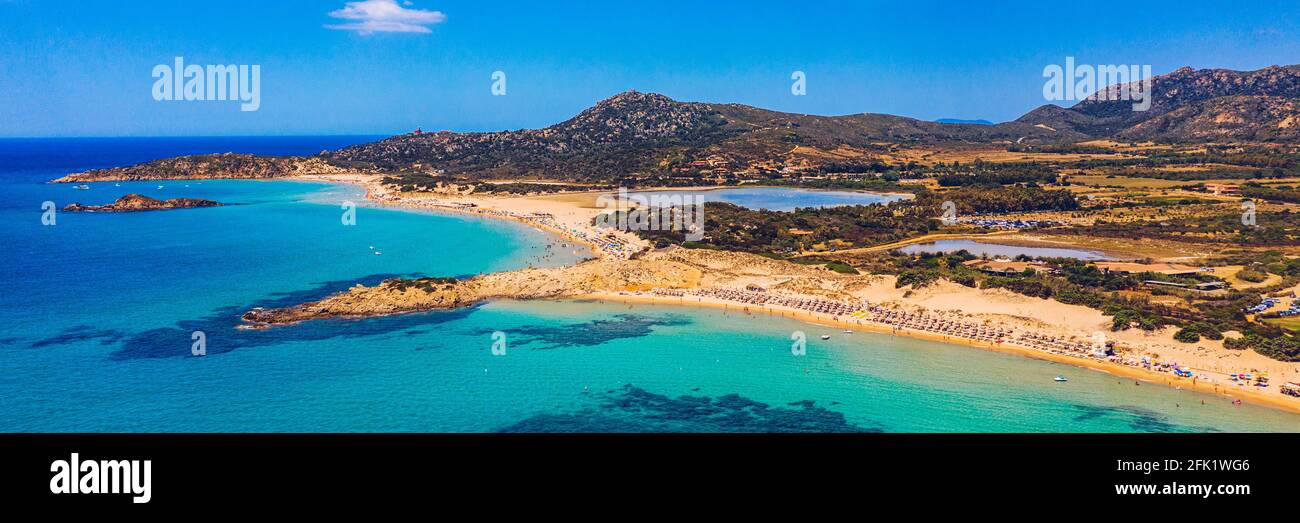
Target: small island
[{"x": 140, "y": 202}]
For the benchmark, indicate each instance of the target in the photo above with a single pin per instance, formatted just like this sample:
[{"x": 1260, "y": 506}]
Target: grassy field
[
  {"x": 1229, "y": 274},
  {"x": 1126, "y": 182},
  {"x": 997, "y": 154},
  {"x": 1291, "y": 323}
]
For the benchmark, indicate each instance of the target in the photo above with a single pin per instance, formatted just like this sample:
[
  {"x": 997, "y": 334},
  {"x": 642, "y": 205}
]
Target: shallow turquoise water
[{"x": 99, "y": 309}]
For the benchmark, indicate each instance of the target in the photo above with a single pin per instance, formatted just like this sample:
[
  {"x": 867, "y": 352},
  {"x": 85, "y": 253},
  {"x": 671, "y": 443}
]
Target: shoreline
[
  {"x": 399, "y": 203},
  {"x": 1269, "y": 399},
  {"x": 1254, "y": 397},
  {"x": 374, "y": 193}
]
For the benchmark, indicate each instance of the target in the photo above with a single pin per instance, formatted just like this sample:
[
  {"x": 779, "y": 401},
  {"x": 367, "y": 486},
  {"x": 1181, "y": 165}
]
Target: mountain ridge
[
  {"x": 655, "y": 138},
  {"x": 1189, "y": 105}
]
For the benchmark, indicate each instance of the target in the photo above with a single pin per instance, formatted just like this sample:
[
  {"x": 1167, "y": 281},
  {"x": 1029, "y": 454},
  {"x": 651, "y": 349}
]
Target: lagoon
[{"x": 95, "y": 335}]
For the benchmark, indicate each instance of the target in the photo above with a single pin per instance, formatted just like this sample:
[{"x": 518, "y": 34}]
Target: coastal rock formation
[
  {"x": 398, "y": 296},
  {"x": 671, "y": 268},
  {"x": 210, "y": 166},
  {"x": 139, "y": 202}
]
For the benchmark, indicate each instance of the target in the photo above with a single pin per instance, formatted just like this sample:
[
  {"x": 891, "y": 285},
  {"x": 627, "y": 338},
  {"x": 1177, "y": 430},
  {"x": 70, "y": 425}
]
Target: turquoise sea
[{"x": 98, "y": 311}]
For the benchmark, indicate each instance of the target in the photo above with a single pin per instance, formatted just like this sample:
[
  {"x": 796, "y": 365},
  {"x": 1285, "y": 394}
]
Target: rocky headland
[
  {"x": 399, "y": 296},
  {"x": 210, "y": 166},
  {"x": 140, "y": 202}
]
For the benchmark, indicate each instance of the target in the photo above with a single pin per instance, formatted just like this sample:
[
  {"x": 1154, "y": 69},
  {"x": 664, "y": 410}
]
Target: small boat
[
  {"x": 826, "y": 336},
  {"x": 1060, "y": 378},
  {"x": 846, "y": 331},
  {"x": 377, "y": 253},
  {"x": 82, "y": 186}
]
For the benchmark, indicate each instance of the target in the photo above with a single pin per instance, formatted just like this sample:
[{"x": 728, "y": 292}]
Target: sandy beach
[
  {"x": 1216, "y": 388},
  {"x": 570, "y": 216}
]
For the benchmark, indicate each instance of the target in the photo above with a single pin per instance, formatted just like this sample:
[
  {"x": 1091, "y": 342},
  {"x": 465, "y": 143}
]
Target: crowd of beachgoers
[
  {"x": 608, "y": 244},
  {"x": 950, "y": 325},
  {"x": 759, "y": 298},
  {"x": 945, "y": 324}
]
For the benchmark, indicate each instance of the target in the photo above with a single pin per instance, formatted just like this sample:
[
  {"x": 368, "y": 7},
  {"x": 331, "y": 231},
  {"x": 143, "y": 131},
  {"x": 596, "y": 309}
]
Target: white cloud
[{"x": 385, "y": 16}]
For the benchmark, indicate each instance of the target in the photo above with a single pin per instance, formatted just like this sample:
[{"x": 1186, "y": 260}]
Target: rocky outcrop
[
  {"x": 139, "y": 202},
  {"x": 1248, "y": 118},
  {"x": 1190, "y": 105},
  {"x": 673, "y": 268},
  {"x": 398, "y": 296},
  {"x": 210, "y": 166}
]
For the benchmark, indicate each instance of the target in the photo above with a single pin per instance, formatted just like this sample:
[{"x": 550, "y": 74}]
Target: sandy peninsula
[
  {"x": 626, "y": 269},
  {"x": 988, "y": 319}
]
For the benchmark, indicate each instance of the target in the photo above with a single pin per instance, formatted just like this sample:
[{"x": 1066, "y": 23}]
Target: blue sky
[{"x": 83, "y": 68}]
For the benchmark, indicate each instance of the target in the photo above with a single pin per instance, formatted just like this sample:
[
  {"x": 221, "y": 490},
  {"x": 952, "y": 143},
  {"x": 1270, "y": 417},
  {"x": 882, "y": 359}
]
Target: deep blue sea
[{"x": 98, "y": 312}]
